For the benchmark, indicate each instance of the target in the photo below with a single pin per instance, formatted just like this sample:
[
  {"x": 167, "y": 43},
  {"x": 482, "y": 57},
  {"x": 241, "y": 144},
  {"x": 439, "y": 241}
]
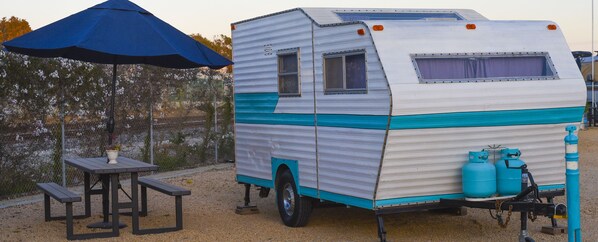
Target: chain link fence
[{"x": 52, "y": 109}]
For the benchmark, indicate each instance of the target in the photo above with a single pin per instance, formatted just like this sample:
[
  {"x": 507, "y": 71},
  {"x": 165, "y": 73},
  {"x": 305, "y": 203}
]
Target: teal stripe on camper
[
  {"x": 347, "y": 200},
  {"x": 324, "y": 120},
  {"x": 275, "y": 119},
  {"x": 308, "y": 191},
  {"x": 436, "y": 198},
  {"x": 488, "y": 118},
  {"x": 258, "y": 108},
  {"x": 419, "y": 199},
  {"x": 255, "y": 181},
  {"x": 551, "y": 187},
  {"x": 256, "y": 102},
  {"x": 379, "y": 122}
]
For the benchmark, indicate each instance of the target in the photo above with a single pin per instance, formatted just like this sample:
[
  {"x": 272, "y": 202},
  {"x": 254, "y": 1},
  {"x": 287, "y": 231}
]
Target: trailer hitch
[{"x": 527, "y": 202}]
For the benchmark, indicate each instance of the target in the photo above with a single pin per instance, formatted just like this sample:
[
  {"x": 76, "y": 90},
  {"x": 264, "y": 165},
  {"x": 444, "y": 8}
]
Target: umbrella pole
[{"x": 111, "y": 122}]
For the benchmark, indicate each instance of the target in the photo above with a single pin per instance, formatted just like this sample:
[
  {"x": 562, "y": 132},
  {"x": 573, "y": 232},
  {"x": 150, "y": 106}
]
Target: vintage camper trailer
[{"x": 378, "y": 108}]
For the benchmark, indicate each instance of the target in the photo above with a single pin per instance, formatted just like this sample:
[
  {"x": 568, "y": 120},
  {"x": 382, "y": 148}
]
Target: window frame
[
  {"x": 286, "y": 52},
  {"x": 549, "y": 63},
  {"x": 343, "y": 55}
]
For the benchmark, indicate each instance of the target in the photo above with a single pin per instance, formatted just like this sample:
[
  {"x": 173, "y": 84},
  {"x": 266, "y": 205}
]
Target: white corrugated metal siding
[
  {"x": 255, "y": 71},
  {"x": 256, "y": 144},
  {"x": 400, "y": 39},
  {"x": 348, "y": 159},
  {"x": 422, "y": 162}
]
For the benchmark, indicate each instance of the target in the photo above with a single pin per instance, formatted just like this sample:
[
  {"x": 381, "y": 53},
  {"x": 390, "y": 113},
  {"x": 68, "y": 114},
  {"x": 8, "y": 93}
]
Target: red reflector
[
  {"x": 470, "y": 26},
  {"x": 233, "y": 27},
  {"x": 551, "y": 27},
  {"x": 378, "y": 27},
  {"x": 361, "y": 32}
]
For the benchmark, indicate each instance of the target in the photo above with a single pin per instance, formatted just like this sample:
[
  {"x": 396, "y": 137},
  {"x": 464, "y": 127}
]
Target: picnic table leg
[
  {"x": 87, "y": 187},
  {"x": 105, "y": 197},
  {"x": 135, "y": 200},
  {"x": 69, "y": 221},
  {"x": 179, "y": 212},
  {"x": 144, "y": 201},
  {"x": 47, "y": 212},
  {"x": 115, "y": 222}
]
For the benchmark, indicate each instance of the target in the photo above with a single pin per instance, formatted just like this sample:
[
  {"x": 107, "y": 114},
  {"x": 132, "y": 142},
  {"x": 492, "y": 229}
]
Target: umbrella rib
[
  {"x": 170, "y": 44},
  {"x": 204, "y": 54},
  {"x": 84, "y": 37}
]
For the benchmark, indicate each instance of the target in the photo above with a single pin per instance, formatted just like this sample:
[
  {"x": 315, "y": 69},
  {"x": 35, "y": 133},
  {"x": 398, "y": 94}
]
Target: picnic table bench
[
  {"x": 63, "y": 195},
  {"x": 167, "y": 189}
]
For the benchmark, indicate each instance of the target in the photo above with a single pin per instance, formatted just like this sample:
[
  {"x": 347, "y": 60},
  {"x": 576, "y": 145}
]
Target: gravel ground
[{"x": 209, "y": 216}]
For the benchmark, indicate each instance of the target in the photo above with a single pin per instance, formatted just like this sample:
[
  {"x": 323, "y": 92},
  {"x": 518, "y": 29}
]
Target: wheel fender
[{"x": 293, "y": 167}]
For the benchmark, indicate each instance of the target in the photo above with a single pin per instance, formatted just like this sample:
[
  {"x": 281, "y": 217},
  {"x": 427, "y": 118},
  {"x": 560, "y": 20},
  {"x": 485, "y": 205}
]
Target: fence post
[
  {"x": 62, "y": 148},
  {"x": 216, "y": 127},
  {"x": 151, "y": 120}
]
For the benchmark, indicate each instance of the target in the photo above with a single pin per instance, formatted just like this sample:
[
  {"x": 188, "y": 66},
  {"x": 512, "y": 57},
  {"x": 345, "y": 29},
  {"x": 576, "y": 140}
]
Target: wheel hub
[{"x": 288, "y": 199}]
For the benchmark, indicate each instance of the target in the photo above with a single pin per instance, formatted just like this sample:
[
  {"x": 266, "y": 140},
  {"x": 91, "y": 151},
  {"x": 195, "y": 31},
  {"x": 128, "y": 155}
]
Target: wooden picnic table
[{"x": 109, "y": 177}]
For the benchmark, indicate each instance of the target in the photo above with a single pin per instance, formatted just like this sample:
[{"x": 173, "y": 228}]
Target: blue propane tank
[
  {"x": 508, "y": 172},
  {"x": 479, "y": 176}
]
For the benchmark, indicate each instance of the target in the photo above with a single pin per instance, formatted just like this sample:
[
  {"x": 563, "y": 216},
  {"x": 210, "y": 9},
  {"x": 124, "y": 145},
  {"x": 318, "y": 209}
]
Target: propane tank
[
  {"x": 508, "y": 172},
  {"x": 479, "y": 176}
]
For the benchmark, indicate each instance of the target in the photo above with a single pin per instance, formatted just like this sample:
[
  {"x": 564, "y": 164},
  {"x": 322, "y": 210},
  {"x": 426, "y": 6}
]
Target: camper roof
[{"x": 326, "y": 16}]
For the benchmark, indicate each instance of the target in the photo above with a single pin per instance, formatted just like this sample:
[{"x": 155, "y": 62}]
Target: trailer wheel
[{"x": 294, "y": 210}]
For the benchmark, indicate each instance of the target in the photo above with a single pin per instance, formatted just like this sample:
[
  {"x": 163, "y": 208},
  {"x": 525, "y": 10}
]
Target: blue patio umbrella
[{"x": 117, "y": 32}]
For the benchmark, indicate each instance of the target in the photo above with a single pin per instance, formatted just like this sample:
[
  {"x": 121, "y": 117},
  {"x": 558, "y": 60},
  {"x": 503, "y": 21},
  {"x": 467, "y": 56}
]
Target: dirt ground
[{"x": 209, "y": 216}]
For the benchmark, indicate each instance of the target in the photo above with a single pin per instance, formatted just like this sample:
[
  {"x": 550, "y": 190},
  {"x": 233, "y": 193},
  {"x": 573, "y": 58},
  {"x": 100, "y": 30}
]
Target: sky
[{"x": 213, "y": 17}]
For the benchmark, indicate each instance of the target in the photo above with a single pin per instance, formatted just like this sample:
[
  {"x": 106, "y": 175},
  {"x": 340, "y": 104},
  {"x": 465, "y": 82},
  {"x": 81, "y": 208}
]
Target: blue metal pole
[{"x": 573, "y": 204}]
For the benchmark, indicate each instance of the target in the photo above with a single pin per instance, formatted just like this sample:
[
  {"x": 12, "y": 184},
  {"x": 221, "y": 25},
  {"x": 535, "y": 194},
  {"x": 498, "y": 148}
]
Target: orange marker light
[
  {"x": 361, "y": 32},
  {"x": 470, "y": 26},
  {"x": 551, "y": 27},
  {"x": 378, "y": 27},
  {"x": 233, "y": 27}
]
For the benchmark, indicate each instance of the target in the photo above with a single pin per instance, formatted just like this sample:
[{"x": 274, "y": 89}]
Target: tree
[
  {"x": 34, "y": 92},
  {"x": 222, "y": 44},
  {"x": 12, "y": 28}
]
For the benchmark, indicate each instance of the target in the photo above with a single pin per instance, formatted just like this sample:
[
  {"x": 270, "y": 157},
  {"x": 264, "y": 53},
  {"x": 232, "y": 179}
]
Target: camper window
[
  {"x": 483, "y": 67},
  {"x": 288, "y": 74},
  {"x": 345, "y": 73}
]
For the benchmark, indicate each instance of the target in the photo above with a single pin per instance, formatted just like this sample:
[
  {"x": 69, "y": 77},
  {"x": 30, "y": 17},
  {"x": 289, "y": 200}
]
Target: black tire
[
  {"x": 297, "y": 210},
  {"x": 529, "y": 239}
]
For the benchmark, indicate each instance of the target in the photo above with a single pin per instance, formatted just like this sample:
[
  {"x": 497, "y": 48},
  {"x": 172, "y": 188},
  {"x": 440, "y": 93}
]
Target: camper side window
[
  {"x": 484, "y": 67},
  {"x": 288, "y": 74},
  {"x": 345, "y": 73}
]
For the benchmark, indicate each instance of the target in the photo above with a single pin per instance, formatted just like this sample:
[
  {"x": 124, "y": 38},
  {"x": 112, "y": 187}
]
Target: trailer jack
[
  {"x": 554, "y": 228},
  {"x": 246, "y": 208},
  {"x": 381, "y": 230}
]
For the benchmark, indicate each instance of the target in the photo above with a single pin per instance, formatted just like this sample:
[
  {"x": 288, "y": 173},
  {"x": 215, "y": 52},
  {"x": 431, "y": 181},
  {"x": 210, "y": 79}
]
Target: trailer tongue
[{"x": 527, "y": 202}]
